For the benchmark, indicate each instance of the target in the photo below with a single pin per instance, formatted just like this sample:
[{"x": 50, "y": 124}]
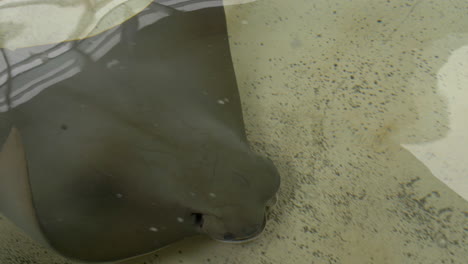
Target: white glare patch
[
  {"x": 44, "y": 57},
  {"x": 244, "y": 22},
  {"x": 153, "y": 229},
  {"x": 119, "y": 195},
  {"x": 212, "y": 195},
  {"x": 226, "y": 99},
  {"x": 192, "y": 193},
  {"x": 180, "y": 219},
  {"x": 221, "y": 102}
]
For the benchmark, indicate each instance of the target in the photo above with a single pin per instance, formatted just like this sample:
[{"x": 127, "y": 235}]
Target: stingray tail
[{"x": 15, "y": 191}]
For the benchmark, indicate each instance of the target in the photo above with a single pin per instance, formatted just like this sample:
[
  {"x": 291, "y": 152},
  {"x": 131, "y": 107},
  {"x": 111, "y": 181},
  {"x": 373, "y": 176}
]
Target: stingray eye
[{"x": 198, "y": 219}]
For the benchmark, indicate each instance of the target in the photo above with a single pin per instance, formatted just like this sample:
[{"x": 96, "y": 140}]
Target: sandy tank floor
[{"x": 361, "y": 106}]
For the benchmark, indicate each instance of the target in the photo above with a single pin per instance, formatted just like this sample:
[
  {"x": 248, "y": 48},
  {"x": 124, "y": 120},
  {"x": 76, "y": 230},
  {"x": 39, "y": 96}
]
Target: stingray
[{"x": 123, "y": 143}]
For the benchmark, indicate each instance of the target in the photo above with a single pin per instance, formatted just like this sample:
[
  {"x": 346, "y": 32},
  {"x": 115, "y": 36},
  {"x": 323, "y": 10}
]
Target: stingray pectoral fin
[{"x": 15, "y": 191}]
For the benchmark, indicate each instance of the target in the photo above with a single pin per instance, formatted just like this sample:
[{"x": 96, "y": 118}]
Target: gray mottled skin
[{"x": 125, "y": 160}]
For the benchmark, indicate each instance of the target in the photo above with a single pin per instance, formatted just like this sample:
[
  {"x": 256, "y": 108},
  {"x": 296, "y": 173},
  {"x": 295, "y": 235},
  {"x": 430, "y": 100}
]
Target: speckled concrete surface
[{"x": 331, "y": 90}]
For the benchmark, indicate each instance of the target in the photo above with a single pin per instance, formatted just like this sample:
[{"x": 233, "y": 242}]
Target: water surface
[{"x": 361, "y": 105}]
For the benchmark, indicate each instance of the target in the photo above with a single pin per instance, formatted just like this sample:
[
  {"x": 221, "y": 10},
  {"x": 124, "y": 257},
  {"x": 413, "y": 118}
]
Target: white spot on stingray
[
  {"x": 119, "y": 195},
  {"x": 180, "y": 219},
  {"x": 112, "y": 63},
  {"x": 221, "y": 102},
  {"x": 212, "y": 195},
  {"x": 244, "y": 22},
  {"x": 226, "y": 99},
  {"x": 153, "y": 229}
]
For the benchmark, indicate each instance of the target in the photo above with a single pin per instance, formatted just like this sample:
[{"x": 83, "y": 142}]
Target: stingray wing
[{"x": 15, "y": 192}]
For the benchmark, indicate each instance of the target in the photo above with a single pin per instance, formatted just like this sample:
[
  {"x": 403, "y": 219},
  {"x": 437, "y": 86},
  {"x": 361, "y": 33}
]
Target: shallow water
[{"x": 360, "y": 104}]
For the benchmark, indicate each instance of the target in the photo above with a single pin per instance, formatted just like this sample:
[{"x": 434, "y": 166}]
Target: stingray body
[{"x": 120, "y": 144}]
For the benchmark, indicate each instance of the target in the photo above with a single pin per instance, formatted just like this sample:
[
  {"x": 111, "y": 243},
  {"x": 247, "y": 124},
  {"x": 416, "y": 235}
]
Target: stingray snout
[
  {"x": 229, "y": 230},
  {"x": 248, "y": 233}
]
